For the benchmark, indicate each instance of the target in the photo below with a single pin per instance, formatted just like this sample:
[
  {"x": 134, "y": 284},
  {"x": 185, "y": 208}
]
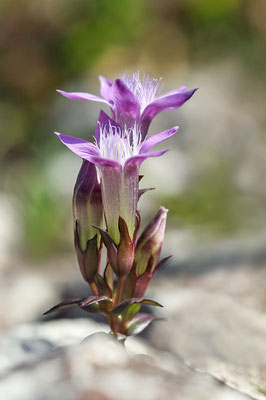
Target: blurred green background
[{"x": 213, "y": 179}]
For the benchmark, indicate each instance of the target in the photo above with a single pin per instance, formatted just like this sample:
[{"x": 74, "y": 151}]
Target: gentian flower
[
  {"x": 108, "y": 184},
  {"x": 118, "y": 153},
  {"x": 133, "y": 99}
]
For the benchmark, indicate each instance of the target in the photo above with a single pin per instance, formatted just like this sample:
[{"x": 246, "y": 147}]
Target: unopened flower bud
[
  {"x": 151, "y": 241},
  {"x": 87, "y": 203}
]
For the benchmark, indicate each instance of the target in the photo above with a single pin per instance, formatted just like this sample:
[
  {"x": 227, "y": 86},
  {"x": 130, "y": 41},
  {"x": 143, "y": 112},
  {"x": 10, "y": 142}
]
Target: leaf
[
  {"x": 65, "y": 303},
  {"x": 139, "y": 323},
  {"x": 91, "y": 300},
  {"x": 123, "y": 306},
  {"x": 131, "y": 311},
  {"x": 91, "y": 304}
]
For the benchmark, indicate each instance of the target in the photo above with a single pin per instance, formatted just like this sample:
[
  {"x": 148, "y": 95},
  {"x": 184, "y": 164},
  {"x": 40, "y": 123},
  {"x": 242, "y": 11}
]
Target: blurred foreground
[
  {"x": 212, "y": 345},
  {"x": 212, "y": 181}
]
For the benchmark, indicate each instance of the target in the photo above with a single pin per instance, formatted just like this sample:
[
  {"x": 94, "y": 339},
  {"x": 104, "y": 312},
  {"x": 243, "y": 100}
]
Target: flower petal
[
  {"x": 105, "y": 88},
  {"x": 171, "y": 102},
  {"x": 82, "y": 96},
  {"x": 130, "y": 188},
  {"x": 138, "y": 160},
  {"x": 105, "y": 162},
  {"x": 130, "y": 195},
  {"x": 175, "y": 91},
  {"x": 111, "y": 182},
  {"x": 126, "y": 104},
  {"x": 80, "y": 147},
  {"x": 157, "y": 138}
]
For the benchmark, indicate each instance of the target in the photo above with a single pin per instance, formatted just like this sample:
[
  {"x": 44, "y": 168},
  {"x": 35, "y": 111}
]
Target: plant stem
[
  {"x": 120, "y": 290},
  {"x": 94, "y": 288}
]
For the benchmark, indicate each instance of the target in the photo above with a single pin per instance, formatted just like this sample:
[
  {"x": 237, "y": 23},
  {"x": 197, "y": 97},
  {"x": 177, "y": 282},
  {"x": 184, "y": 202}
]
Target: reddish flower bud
[
  {"x": 150, "y": 242},
  {"x": 87, "y": 211},
  {"x": 87, "y": 203}
]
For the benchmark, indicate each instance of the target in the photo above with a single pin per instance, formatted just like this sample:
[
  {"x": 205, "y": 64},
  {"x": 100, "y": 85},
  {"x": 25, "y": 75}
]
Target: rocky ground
[
  {"x": 55, "y": 362},
  {"x": 212, "y": 345}
]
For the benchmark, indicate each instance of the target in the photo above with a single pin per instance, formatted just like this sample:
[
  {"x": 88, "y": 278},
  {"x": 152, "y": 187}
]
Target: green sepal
[
  {"x": 125, "y": 249},
  {"x": 111, "y": 249},
  {"x": 102, "y": 286},
  {"x": 108, "y": 276}
]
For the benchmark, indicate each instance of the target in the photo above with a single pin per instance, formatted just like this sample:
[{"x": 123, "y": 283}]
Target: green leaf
[
  {"x": 91, "y": 303},
  {"x": 91, "y": 300},
  {"x": 131, "y": 311},
  {"x": 123, "y": 306}
]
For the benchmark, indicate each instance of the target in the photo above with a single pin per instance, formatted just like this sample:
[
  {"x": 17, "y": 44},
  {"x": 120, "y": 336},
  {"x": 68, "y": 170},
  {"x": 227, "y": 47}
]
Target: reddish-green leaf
[
  {"x": 65, "y": 303},
  {"x": 123, "y": 306},
  {"x": 91, "y": 300},
  {"x": 131, "y": 311}
]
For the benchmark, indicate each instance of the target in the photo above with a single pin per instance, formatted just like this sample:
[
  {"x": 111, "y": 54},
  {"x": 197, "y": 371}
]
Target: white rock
[{"x": 98, "y": 368}]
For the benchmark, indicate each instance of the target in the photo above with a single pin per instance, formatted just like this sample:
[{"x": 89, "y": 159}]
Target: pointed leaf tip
[
  {"x": 139, "y": 323},
  {"x": 65, "y": 303}
]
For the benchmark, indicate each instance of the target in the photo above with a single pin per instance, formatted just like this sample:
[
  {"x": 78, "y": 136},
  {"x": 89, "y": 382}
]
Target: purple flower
[
  {"x": 133, "y": 99},
  {"x": 118, "y": 154}
]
